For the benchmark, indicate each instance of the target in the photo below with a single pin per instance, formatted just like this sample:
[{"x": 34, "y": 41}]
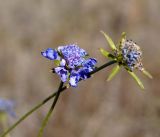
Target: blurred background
[{"x": 96, "y": 108}]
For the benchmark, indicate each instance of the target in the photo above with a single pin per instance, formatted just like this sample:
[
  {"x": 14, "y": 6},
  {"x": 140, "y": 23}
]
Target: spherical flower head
[
  {"x": 7, "y": 106},
  {"x": 73, "y": 55},
  {"x": 131, "y": 54},
  {"x": 72, "y": 63}
]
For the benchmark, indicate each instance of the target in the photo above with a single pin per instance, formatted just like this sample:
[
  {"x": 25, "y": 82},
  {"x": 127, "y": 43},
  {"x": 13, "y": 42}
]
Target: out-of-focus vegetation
[{"x": 96, "y": 108}]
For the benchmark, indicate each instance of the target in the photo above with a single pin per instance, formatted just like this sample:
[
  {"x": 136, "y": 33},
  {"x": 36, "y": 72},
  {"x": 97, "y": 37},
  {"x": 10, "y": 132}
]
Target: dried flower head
[
  {"x": 72, "y": 63},
  {"x": 128, "y": 54},
  {"x": 131, "y": 54}
]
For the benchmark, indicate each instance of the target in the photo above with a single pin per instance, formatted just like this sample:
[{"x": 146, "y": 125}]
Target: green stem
[
  {"x": 47, "y": 99},
  {"x": 45, "y": 121},
  {"x": 30, "y": 112},
  {"x": 103, "y": 66},
  {"x": 3, "y": 120}
]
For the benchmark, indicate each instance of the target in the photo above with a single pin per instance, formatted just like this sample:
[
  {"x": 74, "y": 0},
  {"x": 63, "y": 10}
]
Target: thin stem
[
  {"x": 103, "y": 66},
  {"x": 45, "y": 121},
  {"x": 47, "y": 99},
  {"x": 30, "y": 112},
  {"x": 3, "y": 120}
]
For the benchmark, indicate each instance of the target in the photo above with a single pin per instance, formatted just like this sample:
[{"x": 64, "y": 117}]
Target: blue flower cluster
[
  {"x": 7, "y": 106},
  {"x": 73, "y": 63},
  {"x": 132, "y": 55}
]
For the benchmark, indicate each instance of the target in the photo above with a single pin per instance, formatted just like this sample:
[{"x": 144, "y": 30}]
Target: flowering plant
[{"x": 73, "y": 64}]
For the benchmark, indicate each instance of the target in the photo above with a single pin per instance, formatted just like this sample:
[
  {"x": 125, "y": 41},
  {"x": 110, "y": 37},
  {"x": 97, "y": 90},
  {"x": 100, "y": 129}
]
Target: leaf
[
  {"x": 110, "y": 42},
  {"x": 137, "y": 79},
  {"x": 145, "y": 72},
  {"x": 104, "y": 52},
  {"x": 57, "y": 62},
  {"x": 115, "y": 70},
  {"x": 123, "y": 36}
]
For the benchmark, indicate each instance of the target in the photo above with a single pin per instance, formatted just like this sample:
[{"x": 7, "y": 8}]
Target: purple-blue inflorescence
[
  {"x": 73, "y": 63},
  {"x": 73, "y": 55},
  {"x": 7, "y": 106}
]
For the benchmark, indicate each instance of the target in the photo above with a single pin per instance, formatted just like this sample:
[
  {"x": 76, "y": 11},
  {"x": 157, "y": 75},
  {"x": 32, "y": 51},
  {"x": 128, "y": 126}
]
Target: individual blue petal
[
  {"x": 62, "y": 72},
  {"x": 7, "y": 106},
  {"x": 62, "y": 63},
  {"x": 74, "y": 79},
  {"x": 84, "y": 72},
  {"x": 91, "y": 62},
  {"x": 50, "y": 54}
]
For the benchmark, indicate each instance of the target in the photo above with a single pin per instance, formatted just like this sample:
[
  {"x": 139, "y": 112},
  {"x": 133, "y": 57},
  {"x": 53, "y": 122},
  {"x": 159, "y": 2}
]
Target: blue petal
[
  {"x": 50, "y": 54},
  {"x": 62, "y": 63},
  {"x": 91, "y": 62},
  {"x": 62, "y": 72},
  {"x": 74, "y": 79},
  {"x": 84, "y": 73}
]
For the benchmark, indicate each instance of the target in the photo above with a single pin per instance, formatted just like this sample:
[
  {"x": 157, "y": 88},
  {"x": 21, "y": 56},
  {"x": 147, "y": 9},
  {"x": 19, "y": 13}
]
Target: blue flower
[
  {"x": 7, "y": 106},
  {"x": 72, "y": 63},
  {"x": 50, "y": 54}
]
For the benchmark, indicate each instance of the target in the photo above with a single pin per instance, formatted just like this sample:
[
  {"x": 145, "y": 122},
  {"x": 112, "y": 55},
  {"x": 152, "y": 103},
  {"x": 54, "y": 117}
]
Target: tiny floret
[{"x": 72, "y": 63}]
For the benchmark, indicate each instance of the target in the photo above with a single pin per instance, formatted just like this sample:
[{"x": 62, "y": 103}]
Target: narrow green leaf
[
  {"x": 104, "y": 52},
  {"x": 110, "y": 42},
  {"x": 57, "y": 62},
  {"x": 145, "y": 72},
  {"x": 115, "y": 70},
  {"x": 136, "y": 79},
  {"x": 123, "y": 36}
]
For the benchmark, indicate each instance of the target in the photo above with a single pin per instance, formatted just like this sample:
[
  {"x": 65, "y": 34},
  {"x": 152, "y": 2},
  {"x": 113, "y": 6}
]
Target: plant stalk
[{"x": 50, "y": 97}]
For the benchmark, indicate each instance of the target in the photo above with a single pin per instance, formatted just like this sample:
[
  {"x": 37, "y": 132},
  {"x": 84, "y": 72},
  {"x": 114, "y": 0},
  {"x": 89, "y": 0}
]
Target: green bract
[{"x": 127, "y": 54}]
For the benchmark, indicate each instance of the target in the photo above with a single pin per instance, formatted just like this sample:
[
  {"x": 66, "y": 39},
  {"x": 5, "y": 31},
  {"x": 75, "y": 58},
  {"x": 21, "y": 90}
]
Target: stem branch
[
  {"x": 45, "y": 121},
  {"x": 48, "y": 98}
]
